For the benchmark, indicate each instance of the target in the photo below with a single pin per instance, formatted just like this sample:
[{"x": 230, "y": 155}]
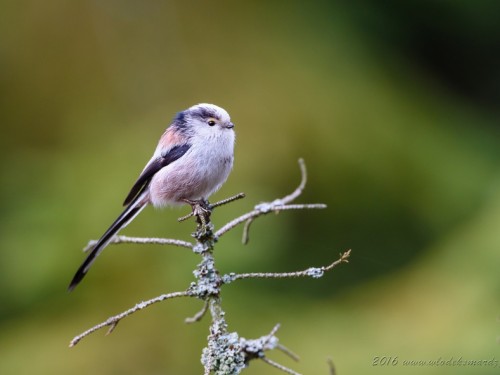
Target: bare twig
[
  {"x": 315, "y": 272},
  {"x": 271, "y": 334},
  {"x": 279, "y": 202},
  {"x": 288, "y": 352},
  {"x": 291, "y": 197},
  {"x": 114, "y": 320},
  {"x": 279, "y": 367},
  {"x": 185, "y": 217},
  {"x": 199, "y": 315},
  {"x": 142, "y": 240},
  {"x": 263, "y": 211},
  {"x": 246, "y": 231},
  {"x": 228, "y": 200},
  {"x": 275, "y": 206}
]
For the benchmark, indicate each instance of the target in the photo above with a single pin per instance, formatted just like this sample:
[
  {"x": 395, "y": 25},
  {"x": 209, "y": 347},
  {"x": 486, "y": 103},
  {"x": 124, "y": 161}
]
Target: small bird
[{"x": 192, "y": 160}]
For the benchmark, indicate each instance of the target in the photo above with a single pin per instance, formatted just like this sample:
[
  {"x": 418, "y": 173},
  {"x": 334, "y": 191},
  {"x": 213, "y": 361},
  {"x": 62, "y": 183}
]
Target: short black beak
[{"x": 229, "y": 125}]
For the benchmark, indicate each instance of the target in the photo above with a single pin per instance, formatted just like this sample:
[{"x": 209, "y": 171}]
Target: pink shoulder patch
[{"x": 170, "y": 138}]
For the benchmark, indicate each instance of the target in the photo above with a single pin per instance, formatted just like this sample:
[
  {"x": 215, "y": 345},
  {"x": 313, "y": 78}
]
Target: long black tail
[{"x": 126, "y": 216}]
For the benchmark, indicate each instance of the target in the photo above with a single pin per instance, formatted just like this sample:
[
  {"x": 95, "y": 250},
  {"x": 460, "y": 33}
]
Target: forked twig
[
  {"x": 275, "y": 206},
  {"x": 113, "y": 321}
]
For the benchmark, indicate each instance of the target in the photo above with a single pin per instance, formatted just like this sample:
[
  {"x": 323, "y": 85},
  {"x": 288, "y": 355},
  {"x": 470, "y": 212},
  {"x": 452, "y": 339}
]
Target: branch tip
[
  {"x": 112, "y": 327},
  {"x": 314, "y": 272},
  {"x": 344, "y": 257},
  {"x": 274, "y": 330},
  {"x": 246, "y": 231},
  {"x": 198, "y": 316},
  {"x": 113, "y": 321}
]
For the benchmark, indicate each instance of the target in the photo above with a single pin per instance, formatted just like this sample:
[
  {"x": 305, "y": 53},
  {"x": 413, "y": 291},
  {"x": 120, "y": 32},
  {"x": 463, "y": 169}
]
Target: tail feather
[{"x": 125, "y": 217}]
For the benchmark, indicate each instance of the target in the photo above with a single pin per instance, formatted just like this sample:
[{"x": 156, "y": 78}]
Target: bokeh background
[{"x": 393, "y": 105}]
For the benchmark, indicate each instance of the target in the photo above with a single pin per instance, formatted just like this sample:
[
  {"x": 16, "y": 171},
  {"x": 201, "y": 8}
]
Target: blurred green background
[{"x": 395, "y": 108}]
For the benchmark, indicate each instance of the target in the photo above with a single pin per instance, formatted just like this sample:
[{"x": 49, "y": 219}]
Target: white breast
[{"x": 198, "y": 173}]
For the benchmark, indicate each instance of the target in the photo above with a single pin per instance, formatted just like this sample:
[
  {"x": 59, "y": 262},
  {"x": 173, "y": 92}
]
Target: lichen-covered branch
[
  {"x": 256, "y": 348},
  {"x": 226, "y": 352},
  {"x": 314, "y": 272},
  {"x": 142, "y": 241},
  {"x": 113, "y": 321}
]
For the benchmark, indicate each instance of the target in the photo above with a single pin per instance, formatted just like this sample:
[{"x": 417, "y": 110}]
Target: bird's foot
[{"x": 201, "y": 209}]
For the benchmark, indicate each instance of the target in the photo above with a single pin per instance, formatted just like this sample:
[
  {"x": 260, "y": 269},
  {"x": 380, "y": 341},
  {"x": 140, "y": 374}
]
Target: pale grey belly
[{"x": 188, "y": 179}]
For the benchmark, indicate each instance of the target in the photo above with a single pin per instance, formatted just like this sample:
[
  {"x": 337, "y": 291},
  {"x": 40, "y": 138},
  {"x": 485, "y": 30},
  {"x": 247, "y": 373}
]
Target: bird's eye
[{"x": 211, "y": 122}]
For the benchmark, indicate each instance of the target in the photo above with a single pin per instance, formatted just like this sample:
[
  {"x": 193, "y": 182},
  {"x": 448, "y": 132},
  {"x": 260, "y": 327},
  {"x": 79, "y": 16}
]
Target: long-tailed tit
[{"x": 192, "y": 160}]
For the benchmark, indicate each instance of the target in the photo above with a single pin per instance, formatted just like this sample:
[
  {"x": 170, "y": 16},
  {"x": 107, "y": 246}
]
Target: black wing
[{"x": 154, "y": 166}]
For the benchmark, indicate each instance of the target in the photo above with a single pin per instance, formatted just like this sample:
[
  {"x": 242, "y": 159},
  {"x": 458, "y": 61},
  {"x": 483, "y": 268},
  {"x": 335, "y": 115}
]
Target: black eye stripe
[{"x": 204, "y": 113}]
